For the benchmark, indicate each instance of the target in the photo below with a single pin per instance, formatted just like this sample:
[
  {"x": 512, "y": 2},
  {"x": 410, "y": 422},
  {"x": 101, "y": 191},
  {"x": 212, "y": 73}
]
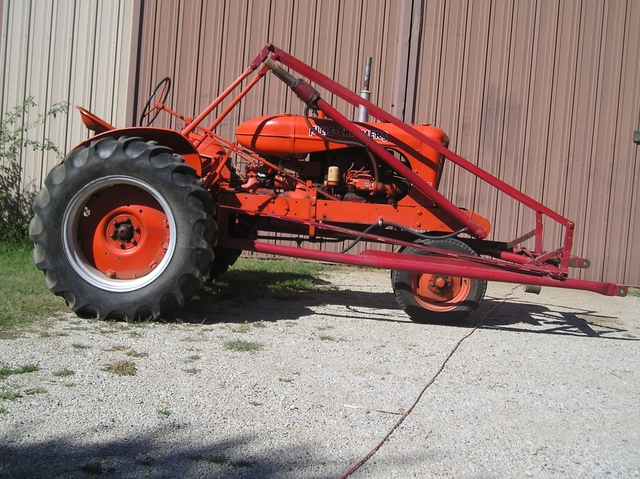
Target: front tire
[
  {"x": 123, "y": 229},
  {"x": 429, "y": 298}
]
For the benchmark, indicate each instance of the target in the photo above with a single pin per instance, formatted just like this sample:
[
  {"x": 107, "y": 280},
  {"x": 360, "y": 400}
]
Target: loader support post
[{"x": 194, "y": 123}]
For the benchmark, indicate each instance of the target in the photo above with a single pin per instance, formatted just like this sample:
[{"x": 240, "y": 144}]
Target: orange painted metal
[
  {"x": 126, "y": 235},
  {"x": 440, "y": 293},
  {"x": 93, "y": 123},
  {"x": 290, "y": 136}
]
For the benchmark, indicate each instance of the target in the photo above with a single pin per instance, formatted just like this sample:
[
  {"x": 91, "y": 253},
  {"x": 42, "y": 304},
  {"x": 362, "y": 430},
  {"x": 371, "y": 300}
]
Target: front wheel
[
  {"x": 432, "y": 298},
  {"x": 123, "y": 229}
]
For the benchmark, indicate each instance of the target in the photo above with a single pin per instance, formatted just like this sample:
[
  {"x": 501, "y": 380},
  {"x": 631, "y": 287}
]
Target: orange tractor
[{"x": 133, "y": 220}]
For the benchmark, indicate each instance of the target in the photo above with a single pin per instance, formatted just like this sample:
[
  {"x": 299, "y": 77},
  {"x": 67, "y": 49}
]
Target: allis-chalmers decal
[{"x": 333, "y": 131}]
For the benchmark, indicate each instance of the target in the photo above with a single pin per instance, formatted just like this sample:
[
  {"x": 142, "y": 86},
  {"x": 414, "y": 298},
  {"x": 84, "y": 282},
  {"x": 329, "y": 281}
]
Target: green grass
[
  {"x": 7, "y": 395},
  {"x": 217, "y": 459},
  {"x": 135, "y": 354},
  {"x": 327, "y": 338},
  {"x": 26, "y": 368},
  {"x": 34, "y": 391},
  {"x": 163, "y": 413},
  {"x": 255, "y": 278},
  {"x": 221, "y": 460},
  {"x": 634, "y": 292},
  {"x": 24, "y": 298},
  {"x": 242, "y": 463},
  {"x": 242, "y": 346}
]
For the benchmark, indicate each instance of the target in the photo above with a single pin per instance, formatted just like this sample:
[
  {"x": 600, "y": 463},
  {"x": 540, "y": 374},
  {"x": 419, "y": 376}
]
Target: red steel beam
[{"x": 424, "y": 264}]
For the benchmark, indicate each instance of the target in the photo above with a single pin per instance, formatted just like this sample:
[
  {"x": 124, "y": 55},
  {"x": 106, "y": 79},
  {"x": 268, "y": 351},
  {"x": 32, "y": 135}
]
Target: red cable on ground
[{"x": 366, "y": 457}]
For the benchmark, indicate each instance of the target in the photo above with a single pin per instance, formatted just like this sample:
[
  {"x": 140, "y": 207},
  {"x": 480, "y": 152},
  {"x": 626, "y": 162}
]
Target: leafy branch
[{"x": 16, "y": 195}]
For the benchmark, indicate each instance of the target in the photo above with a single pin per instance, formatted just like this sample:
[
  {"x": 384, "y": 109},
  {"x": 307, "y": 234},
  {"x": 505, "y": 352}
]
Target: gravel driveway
[{"x": 547, "y": 387}]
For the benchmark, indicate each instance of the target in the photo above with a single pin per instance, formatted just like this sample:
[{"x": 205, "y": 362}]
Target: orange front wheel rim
[{"x": 440, "y": 293}]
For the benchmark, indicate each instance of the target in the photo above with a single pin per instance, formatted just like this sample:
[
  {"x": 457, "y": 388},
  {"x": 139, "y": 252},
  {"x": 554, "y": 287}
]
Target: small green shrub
[{"x": 16, "y": 195}]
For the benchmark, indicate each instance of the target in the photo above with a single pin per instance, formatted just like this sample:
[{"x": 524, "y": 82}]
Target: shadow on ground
[
  {"x": 527, "y": 316},
  {"x": 243, "y": 299},
  {"x": 153, "y": 455}
]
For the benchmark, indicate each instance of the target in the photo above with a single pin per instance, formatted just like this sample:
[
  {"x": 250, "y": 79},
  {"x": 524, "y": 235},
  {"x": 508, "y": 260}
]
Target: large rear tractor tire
[
  {"x": 123, "y": 229},
  {"x": 431, "y": 298}
]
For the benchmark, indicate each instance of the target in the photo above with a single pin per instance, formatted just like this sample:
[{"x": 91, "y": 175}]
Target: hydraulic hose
[{"x": 381, "y": 224}]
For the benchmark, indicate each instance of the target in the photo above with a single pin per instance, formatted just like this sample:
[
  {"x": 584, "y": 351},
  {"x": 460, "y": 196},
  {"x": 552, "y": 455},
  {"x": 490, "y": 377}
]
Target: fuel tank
[{"x": 289, "y": 136}]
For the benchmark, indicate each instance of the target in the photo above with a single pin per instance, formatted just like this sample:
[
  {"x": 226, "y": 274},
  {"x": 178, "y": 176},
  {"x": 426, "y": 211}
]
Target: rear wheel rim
[
  {"x": 118, "y": 233},
  {"x": 440, "y": 293}
]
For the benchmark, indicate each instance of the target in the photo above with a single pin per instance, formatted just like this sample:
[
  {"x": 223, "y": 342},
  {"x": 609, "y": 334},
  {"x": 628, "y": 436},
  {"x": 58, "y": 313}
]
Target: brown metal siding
[
  {"x": 204, "y": 46},
  {"x": 621, "y": 257},
  {"x": 543, "y": 94},
  {"x": 531, "y": 91}
]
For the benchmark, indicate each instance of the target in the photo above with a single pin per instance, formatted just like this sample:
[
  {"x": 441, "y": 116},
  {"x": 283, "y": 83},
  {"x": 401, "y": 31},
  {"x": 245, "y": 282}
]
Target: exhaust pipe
[{"x": 363, "y": 111}]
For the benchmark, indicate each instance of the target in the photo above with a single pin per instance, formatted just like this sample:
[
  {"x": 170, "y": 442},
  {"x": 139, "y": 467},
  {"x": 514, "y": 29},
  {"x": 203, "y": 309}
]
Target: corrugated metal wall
[
  {"x": 205, "y": 45},
  {"x": 543, "y": 94},
  {"x": 73, "y": 51}
]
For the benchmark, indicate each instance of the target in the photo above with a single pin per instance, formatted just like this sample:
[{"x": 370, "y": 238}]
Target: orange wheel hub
[
  {"x": 440, "y": 292},
  {"x": 124, "y": 232}
]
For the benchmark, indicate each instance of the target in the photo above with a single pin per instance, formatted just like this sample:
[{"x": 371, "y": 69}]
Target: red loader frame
[{"x": 511, "y": 264}]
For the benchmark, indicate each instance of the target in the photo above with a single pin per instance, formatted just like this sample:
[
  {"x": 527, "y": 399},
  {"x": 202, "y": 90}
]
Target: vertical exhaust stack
[{"x": 363, "y": 111}]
